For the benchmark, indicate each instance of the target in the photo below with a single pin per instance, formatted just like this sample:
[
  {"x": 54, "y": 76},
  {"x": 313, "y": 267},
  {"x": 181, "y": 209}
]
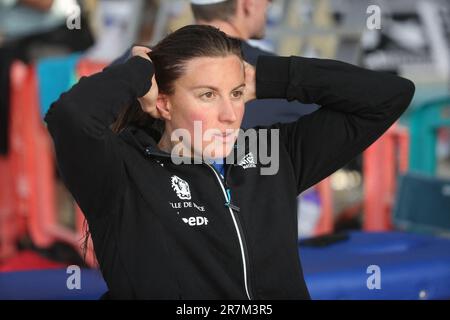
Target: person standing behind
[{"x": 246, "y": 20}]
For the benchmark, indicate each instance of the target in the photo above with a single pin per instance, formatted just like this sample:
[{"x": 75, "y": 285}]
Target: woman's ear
[
  {"x": 247, "y": 7},
  {"x": 164, "y": 107}
]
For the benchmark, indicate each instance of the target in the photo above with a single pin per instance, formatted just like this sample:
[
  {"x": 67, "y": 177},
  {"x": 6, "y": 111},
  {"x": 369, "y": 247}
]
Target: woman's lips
[{"x": 226, "y": 136}]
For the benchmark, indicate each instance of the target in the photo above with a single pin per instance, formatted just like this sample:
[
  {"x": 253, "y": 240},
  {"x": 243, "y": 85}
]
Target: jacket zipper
[
  {"x": 236, "y": 221},
  {"x": 238, "y": 227}
]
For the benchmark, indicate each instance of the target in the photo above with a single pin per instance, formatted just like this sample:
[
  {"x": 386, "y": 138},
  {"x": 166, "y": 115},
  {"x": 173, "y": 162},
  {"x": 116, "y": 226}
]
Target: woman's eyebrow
[
  {"x": 215, "y": 88},
  {"x": 239, "y": 86}
]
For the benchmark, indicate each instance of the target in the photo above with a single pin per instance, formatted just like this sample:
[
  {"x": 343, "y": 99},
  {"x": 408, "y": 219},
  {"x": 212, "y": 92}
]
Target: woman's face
[{"x": 207, "y": 105}]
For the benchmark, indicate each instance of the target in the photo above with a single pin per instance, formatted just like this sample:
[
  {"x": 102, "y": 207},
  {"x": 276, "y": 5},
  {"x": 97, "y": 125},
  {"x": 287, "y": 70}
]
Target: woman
[{"x": 163, "y": 230}]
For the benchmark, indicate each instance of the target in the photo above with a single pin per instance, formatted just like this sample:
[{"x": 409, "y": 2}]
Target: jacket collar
[{"x": 146, "y": 139}]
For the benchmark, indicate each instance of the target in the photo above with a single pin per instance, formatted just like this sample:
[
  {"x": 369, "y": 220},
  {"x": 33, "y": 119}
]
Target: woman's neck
[{"x": 165, "y": 144}]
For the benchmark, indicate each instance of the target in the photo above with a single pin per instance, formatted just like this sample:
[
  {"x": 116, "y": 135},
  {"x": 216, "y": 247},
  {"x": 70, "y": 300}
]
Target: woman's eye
[
  {"x": 237, "y": 94},
  {"x": 207, "y": 95}
]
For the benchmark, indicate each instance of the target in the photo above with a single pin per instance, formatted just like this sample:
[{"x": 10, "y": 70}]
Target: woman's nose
[{"x": 227, "y": 112}]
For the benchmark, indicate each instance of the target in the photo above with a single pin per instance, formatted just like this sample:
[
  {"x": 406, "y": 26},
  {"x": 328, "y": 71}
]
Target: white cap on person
[{"x": 206, "y": 2}]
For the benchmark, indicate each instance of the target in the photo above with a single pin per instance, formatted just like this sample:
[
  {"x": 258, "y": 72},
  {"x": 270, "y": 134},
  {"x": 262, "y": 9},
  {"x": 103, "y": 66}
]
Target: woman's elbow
[
  {"x": 409, "y": 90},
  {"x": 406, "y": 94},
  {"x": 398, "y": 96},
  {"x": 62, "y": 115}
]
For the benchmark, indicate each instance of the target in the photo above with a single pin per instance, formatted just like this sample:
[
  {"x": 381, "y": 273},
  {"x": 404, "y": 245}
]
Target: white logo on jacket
[
  {"x": 196, "y": 221},
  {"x": 248, "y": 161},
  {"x": 181, "y": 187}
]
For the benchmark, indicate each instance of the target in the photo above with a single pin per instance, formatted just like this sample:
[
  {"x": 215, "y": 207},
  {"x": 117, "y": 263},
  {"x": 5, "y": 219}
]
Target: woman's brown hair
[{"x": 169, "y": 58}]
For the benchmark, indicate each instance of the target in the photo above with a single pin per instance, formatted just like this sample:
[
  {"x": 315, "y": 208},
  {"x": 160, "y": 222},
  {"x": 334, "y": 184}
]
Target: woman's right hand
[
  {"x": 148, "y": 101},
  {"x": 250, "y": 82}
]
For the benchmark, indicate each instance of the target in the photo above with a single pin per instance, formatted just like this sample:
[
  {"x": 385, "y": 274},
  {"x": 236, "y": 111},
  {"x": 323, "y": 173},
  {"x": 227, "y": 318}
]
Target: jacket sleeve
[
  {"x": 87, "y": 151},
  {"x": 357, "y": 107}
]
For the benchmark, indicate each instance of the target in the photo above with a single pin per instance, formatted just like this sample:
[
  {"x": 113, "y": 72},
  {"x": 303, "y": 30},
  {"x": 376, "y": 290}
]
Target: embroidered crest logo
[
  {"x": 181, "y": 187},
  {"x": 248, "y": 161}
]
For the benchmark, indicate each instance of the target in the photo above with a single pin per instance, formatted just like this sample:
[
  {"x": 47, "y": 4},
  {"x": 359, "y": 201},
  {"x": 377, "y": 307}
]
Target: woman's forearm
[
  {"x": 357, "y": 107},
  {"x": 332, "y": 84},
  {"x": 87, "y": 151},
  {"x": 90, "y": 105}
]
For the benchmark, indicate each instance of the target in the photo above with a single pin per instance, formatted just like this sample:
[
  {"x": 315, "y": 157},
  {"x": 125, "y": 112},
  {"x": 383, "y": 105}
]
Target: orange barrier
[
  {"x": 382, "y": 162},
  {"x": 87, "y": 67},
  {"x": 9, "y": 232},
  {"x": 326, "y": 220},
  {"x": 31, "y": 158},
  {"x": 32, "y": 168}
]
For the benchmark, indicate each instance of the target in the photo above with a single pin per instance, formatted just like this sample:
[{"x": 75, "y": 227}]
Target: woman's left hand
[{"x": 250, "y": 82}]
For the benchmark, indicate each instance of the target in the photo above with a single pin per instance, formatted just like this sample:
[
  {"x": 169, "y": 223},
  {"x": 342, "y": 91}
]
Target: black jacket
[{"x": 166, "y": 231}]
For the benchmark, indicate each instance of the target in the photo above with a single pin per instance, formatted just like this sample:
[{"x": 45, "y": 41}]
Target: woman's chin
[{"x": 220, "y": 151}]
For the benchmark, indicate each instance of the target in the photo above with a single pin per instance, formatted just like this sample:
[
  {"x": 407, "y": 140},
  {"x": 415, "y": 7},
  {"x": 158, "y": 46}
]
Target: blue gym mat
[
  {"x": 51, "y": 284},
  {"x": 411, "y": 266}
]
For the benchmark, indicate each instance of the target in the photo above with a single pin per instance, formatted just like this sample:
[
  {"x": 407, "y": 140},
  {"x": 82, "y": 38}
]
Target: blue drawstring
[
  {"x": 229, "y": 197},
  {"x": 229, "y": 204}
]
